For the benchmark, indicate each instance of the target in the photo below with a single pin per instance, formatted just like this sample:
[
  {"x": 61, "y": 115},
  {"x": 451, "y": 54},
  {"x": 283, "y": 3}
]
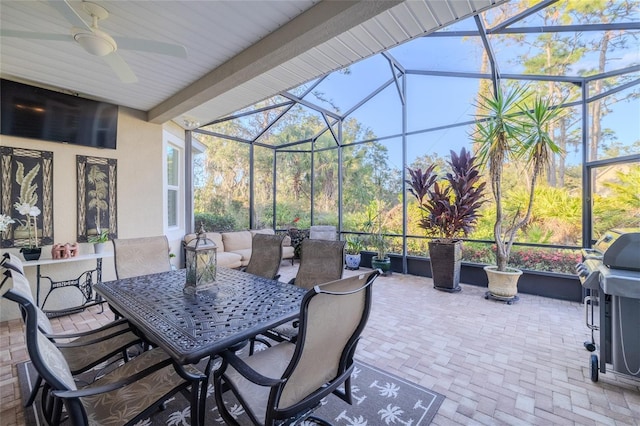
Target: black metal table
[{"x": 191, "y": 328}]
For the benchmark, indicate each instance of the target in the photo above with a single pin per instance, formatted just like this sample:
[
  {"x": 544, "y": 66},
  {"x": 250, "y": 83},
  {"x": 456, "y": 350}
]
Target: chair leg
[{"x": 34, "y": 392}]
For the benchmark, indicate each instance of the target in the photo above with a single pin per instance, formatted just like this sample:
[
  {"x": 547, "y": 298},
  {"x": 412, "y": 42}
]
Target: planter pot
[
  {"x": 384, "y": 265},
  {"x": 446, "y": 259},
  {"x": 99, "y": 247},
  {"x": 353, "y": 261},
  {"x": 503, "y": 285},
  {"x": 31, "y": 253}
]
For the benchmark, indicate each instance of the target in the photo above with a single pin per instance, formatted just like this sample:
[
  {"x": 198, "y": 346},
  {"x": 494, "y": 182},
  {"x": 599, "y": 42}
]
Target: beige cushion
[
  {"x": 267, "y": 231},
  {"x": 246, "y": 255},
  {"x": 287, "y": 251},
  {"x": 235, "y": 241},
  {"x": 228, "y": 259},
  {"x": 216, "y": 237}
]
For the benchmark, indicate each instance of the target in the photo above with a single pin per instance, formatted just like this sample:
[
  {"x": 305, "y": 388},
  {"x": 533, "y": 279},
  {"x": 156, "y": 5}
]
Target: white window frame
[{"x": 178, "y": 231}]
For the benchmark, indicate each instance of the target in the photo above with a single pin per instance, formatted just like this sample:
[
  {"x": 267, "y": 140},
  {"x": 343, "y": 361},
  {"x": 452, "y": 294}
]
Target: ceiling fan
[{"x": 97, "y": 42}]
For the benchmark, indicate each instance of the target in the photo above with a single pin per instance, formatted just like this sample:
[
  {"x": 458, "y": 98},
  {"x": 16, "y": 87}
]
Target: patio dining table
[{"x": 191, "y": 328}]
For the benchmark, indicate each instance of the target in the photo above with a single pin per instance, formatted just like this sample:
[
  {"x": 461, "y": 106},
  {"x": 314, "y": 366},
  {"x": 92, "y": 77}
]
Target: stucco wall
[{"x": 139, "y": 197}]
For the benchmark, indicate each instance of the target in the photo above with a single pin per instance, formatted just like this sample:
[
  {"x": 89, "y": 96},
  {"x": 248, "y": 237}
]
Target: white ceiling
[{"x": 238, "y": 51}]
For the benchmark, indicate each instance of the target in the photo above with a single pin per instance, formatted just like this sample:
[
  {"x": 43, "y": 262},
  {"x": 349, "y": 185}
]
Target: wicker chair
[
  {"x": 121, "y": 397},
  {"x": 266, "y": 256},
  {"x": 83, "y": 350},
  {"x": 285, "y": 383},
  {"x": 141, "y": 256}
]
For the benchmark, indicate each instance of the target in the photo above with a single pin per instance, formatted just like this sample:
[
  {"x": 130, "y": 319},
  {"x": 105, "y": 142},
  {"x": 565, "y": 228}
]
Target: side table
[{"x": 84, "y": 283}]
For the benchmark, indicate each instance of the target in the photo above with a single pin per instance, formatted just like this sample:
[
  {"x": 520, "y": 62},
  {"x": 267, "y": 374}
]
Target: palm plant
[{"x": 510, "y": 130}]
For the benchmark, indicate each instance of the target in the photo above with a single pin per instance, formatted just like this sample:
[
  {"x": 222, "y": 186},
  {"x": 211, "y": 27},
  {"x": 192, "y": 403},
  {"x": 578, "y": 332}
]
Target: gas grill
[{"x": 610, "y": 273}]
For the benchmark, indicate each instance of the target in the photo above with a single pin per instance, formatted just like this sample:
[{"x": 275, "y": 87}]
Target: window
[
  {"x": 173, "y": 185},
  {"x": 174, "y": 194}
]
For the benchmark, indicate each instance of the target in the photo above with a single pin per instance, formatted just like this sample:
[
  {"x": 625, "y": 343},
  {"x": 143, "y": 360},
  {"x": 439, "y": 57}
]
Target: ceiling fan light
[{"x": 99, "y": 44}]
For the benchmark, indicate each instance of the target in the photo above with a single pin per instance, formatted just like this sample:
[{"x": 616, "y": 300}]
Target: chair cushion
[
  {"x": 120, "y": 406},
  {"x": 80, "y": 358},
  {"x": 271, "y": 363},
  {"x": 236, "y": 241}
]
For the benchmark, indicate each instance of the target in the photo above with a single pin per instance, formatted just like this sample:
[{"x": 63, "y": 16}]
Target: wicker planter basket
[{"x": 446, "y": 258}]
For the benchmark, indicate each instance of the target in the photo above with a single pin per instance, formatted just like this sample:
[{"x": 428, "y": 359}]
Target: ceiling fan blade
[
  {"x": 35, "y": 36},
  {"x": 69, "y": 13},
  {"x": 151, "y": 46},
  {"x": 120, "y": 67}
]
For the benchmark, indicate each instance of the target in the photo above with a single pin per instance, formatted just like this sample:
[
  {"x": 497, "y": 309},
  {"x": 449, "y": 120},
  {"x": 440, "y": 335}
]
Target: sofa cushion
[
  {"x": 287, "y": 252},
  {"x": 234, "y": 241},
  {"x": 229, "y": 260},
  {"x": 216, "y": 237},
  {"x": 245, "y": 254}
]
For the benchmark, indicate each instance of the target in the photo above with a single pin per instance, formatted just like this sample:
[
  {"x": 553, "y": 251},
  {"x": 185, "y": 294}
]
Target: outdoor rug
[{"x": 379, "y": 398}]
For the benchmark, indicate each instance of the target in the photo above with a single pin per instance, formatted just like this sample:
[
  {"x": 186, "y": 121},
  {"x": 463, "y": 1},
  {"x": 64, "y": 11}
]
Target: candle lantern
[{"x": 201, "y": 262}]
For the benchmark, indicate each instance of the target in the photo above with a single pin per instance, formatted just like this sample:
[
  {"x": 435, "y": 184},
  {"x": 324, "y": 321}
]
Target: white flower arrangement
[{"x": 5, "y": 221}]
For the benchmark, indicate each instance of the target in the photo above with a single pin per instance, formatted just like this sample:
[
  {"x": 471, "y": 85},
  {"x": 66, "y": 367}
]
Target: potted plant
[
  {"x": 353, "y": 248},
  {"x": 512, "y": 131},
  {"x": 374, "y": 224},
  {"x": 99, "y": 240},
  {"x": 449, "y": 209}
]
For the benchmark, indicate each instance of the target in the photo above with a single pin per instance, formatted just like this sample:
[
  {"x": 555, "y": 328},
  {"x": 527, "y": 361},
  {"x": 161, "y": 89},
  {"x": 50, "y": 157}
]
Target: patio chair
[
  {"x": 123, "y": 396},
  {"x": 285, "y": 383},
  {"x": 266, "y": 256},
  {"x": 141, "y": 256},
  {"x": 82, "y": 351},
  {"x": 321, "y": 261},
  {"x": 13, "y": 262},
  {"x": 323, "y": 232}
]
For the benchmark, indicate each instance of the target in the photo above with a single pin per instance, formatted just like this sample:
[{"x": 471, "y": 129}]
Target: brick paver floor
[{"x": 497, "y": 364}]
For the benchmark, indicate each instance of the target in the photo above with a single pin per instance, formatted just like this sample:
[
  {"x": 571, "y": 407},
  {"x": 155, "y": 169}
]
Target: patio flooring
[{"x": 497, "y": 364}]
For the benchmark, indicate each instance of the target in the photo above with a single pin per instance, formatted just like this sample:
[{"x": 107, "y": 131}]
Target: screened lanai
[{"x": 335, "y": 150}]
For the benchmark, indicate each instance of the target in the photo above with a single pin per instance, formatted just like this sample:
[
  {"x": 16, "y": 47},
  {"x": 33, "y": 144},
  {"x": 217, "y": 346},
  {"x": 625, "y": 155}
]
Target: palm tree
[
  {"x": 98, "y": 195},
  {"x": 510, "y": 130}
]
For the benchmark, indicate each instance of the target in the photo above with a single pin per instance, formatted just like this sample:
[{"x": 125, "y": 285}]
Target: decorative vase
[
  {"x": 446, "y": 259},
  {"x": 31, "y": 253},
  {"x": 383, "y": 264},
  {"x": 503, "y": 285},
  {"x": 352, "y": 261},
  {"x": 98, "y": 247}
]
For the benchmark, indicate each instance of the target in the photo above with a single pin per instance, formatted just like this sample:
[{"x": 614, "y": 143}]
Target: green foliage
[
  {"x": 531, "y": 258},
  {"x": 101, "y": 237},
  {"x": 354, "y": 245},
  {"x": 216, "y": 223}
]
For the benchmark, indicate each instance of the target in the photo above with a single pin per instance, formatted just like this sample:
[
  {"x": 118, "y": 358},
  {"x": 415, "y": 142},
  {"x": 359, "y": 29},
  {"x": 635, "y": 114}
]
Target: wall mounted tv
[{"x": 35, "y": 113}]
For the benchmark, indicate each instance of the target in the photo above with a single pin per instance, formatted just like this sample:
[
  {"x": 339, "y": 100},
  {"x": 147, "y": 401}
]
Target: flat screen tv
[{"x": 36, "y": 113}]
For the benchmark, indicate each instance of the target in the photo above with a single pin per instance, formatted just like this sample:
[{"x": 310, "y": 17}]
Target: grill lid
[{"x": 623, "y": 251}]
